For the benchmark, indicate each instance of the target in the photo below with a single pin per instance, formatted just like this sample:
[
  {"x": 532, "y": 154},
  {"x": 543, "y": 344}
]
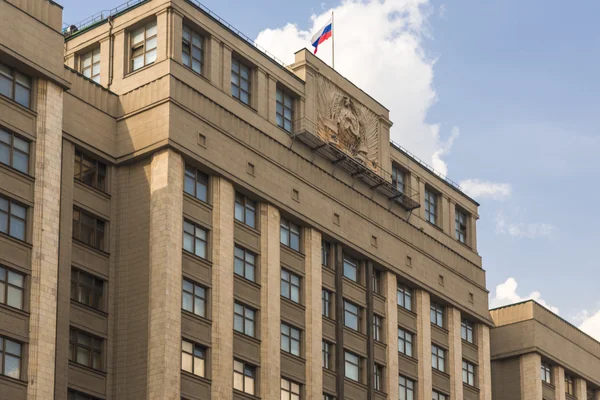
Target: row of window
[{"x": 547, "y": 377}]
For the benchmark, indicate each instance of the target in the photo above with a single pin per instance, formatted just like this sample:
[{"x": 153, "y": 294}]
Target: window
[
  {"x": 290, "y": 286},
  {"x": 352, "y": 366},
  {"x": 245, "y": 210},
  {"x": 325, "y": 252},
  {"x": 438, "y": 358},
  {"x": 326, "y": 302},
  {"x": 569, "y": 385},
  {"x": 546, "y": 373},
  {"x": 192, "y": 50},
  {"x": 88, "y": 229},
  {"x": 290, "y": 339},
  {"x": 350, "y": 268},
  {"x": 438, "y": 396},
  {"x": 193, "y": 358},
  {"x": 466, "y": 330},
  {"x": 406, "y": 388},
  {"x": 284, "y": 110},
  {"x": 193, "y": 298},
  {"x": 90, "y": 65},
  {"x": 460, "y": 224},
  {"x": 328, "y": 397},
  {"x": 196, "y": 183},
  {"x": 377, "y": 328},
  {"x": 11, "y": 288},
  {"x": 436, "y": 314},
  {"x": 404, "y": 297},
  {"x": 194, "y": 239},
  {"x": 468, "y": 372},
  {"x": 244, "y": 319},
  {"x": 351, "y": 316},
  {"x": 290, "y": 234},
  {"x": 405, "y": 342},
  {"x": 87, "y": 289},
  {"x": 327, "y": 354},
  {"x": 143, "y": 46},
  {"x": 85, "y": 349},
  {"x": 73, "y": 395},
  {"x": 289, "y": 390},
  {"x": 398, "y": 178},
  {"x": 378, "y": 377},
  {"x": 240, "y": 81},
  {"x": 90, "y": 171},
  {"x": 14, "y": 151},
  {"x": 244, "y": 376},
  {"x": 15, "y": 86},
  {"x": 245, "y": 263},
  {"x": 430, "y": 206},
  {"x": 10, "y": 358},
  {"x": 13, "y": 218},
  {"x": 376, "y": 281}
]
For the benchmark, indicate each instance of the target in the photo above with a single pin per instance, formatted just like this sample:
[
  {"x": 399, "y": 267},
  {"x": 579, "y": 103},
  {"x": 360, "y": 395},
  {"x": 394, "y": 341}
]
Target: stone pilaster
[
  {"x": 558, "y": 373},
  {"x": 392, "y": 333},
  {"x": 484, "y": 374},
  {"x": 222, "y": 296},
  {"x": 270, "y": 303},
  {"x": 580, "y": 389},
  {"x": 423, "y": 344},
  {"x": 597, "y": 395},
  {"x": 531, "y": 376},
  {"x": 164, "y": 312},
  {"x": 455, "y": 353},
  {"x": 314, "y": 319},
  {"x": 44, "y": 235},
  {"x": 261, "y": 96},
  {"x": 225, "y": 75}
]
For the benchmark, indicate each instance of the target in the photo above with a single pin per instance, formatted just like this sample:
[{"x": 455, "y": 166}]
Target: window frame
[
  {"x": 4, "y": 354},
  {"x": 96, "y": 292},
  {"x": 293, "y": 336},
  {"x": 438, "y": 357},
  {"x": 10, "y": 216},
  {"x": 12, "y": 150},
  {"x": 247, "y": 207},
  {"x": 99, "y": 241},
  {"x": 405, "y": 293},
  {"x": 288, "y": 282},
  {"x": 201, "y": 357},
  {"x": 405, "y": 342},
  {"x": 241, "y": 65},
  {"x": 7, "y": 285},
  {"x": 289, "y": 230},
  {"x": 100, "y": 173},
  {"x": 247, "y": 371},
  {"x": 546, "y": 373},
  {"x": 406, "y": 386},
  {"x": 468, "y": 373},
  {"x": 246, "y": 317},
  {"x": 326, "y": 354},
  {"x": 351, "y": 264},
  {"x": 188, "y": 44},
  {"x": 467, "y": 332},
  {"x": 281, "y": 95},
  {"x": 378, "y": 377},
  {"x": 435, "y": 395},
  {"x": 436, "y": 314},
  {"x": 289, "y": 393},
  {"x": 247, "y": 261},
  {"x": 142, "y": 45},
  {"x": 196, "y": 238},
  {"x": 76, "y": 395},
  {"x": 569, "y": 385},
  {"x": 194, "y": 297},
  {"x": 82, "y": 68},
  {"x": 325, "y": 254},
  {"x": 13, "y": 79},
  {"x": 461, "y": 225},
  {"x": 376, "y": 281},
  {"x": 198, "y": 179},
  {"x": 74, "y": 346},
  {"x": 398, "y": 172},
  {"x": 326, "y": 303},
  {"x": 431, "y": 203},
  {"x": 357, "y": 365},
  {"x": 378, "y": 328},
  {"x": 357, "y": 315}
]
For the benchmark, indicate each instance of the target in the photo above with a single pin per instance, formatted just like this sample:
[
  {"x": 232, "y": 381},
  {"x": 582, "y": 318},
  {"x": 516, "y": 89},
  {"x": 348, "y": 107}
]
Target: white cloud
[
  {"x": 379, "y": 47},
  {"x": 506, "y": 293},
  {"x": 589, "y": 323},
  {"x": 523, "y": 230},
  {"x": 479, "y": 189}
]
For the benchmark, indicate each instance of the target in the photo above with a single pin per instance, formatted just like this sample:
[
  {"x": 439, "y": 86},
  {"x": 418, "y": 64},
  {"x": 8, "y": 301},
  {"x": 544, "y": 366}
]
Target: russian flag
[{"x": 322, "y": 35}]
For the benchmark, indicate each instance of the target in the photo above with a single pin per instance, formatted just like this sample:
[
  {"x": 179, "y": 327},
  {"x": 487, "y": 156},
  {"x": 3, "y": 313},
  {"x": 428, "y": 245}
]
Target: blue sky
[{"x": 502, "y": 95}]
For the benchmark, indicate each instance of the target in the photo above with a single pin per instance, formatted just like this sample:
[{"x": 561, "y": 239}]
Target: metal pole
[{"x": 332, "y": 42}]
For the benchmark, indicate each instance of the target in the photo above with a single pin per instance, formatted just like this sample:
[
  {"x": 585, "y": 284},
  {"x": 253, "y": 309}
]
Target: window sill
[
  {"x": 95, "y": 190},
  {"x": 197, "y": 200},
  {"x": 464, "y": 244},
  {"x": 244, "y": 226},
  {"x": 89, "y": 308},
  {"x": 90, "y": 247},
  {"x": 246, "y": 395},
  {"x": 471, "y": 388},
  {"x": 15, "y": 381},
  {"x": 408, "y": 358},
  {"x": 293, "y": 303},
  {"x": 326, "y": 318},
  {"x": 11, "y": 169},
  {"x": 353, "y": 283},
  {"x": 248, "y": 106},
  {"x": 19, "y": 105},
  {"x": 86, "y": 368},
  {"x": 242, "y": 335},
  {"x": 199, "y": 75},
  {"x": 196, "y": 316},
  {"x": 356, "y": 383},
  {"x": 145, "y": 67},
  {"x": 196, "y": 257},
  {"x": 407, "y": 311},
  {"x": 469, "y": 344},
  {"x": 292, "y": 356},
  {"x": 379, "y": 296},
  {"x": 291, "y": 250},
  {"x": 436, "y": 226},
  {"x": 549, "y": 385},
  {"x": 353, "y": 331},
  {"x": 442, "y": 373},
  {"x": 195, "y": 377},
  {"x": 17, "y": 240},
  {"x": 247, "y": 281},
  {"x": 439, "y": 328},
  {"x": 14, "y": 310}
]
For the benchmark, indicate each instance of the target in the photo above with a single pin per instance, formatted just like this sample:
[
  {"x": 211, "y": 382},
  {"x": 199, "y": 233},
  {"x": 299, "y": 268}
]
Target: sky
[{"x": 500, "y": 96}]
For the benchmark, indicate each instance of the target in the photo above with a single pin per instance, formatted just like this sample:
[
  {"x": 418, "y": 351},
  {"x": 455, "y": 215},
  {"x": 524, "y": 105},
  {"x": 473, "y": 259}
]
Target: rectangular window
[
  {"x": 244, "y": 263},
  {"x": 85, "y": 349},
  {"x": 245, "y": 210},
  {"x": 376, "y": 281},
  {"x": 398, "y": 178},
  {"x": 14, "y": 151},
  {"x": 466, "y": 330},
  {"x": 438, "y": 358},
  {"x": 192, "y": 49},
  {"x": 195, "y": 239},
  {"x": 290, "y": 286},
  {"x": 10, "y": 358},
  {"x": 328, "y": 397},
  {"x": 289, "y": 390},
  {"x": 15, "y": 86},
  {"x": 468, "y": 373},
  {"x": 290, "y": 234},
  {"x": 240, "y": 81},
  {"x": 350, "y": 268},
  {"x": 436, "y": 314},
  {"x": 325, "y": 252},
  {"x": 87, "y": 289},
  {"x": 352, "y": 366},
  {"x": 196, "y": 183},
  {"x": 404, "y": 295},
  {"x": 546, "y": 373},
  {"x": 327, "y": 354},
  {"x": 13, "y": 218},
  {"x": 284, "y": 109},
  {"x": 290, "y": 339},
  {"x": 406, "y": 388},
  {"x": 430, "y": 206},
  {"x": 244, "y": 377},
  {"x": 438, "y": 396},
  {"x": 143, "y": 46},
  {"x": 326, "y": 302},
  {"x": 405, "y": 342},
  {"x": 244, "y": 319},
  {"x": 90, "y": 65},
  {"x": 460, "y": 223},
  {"x": 377, "y": 328},
  {"x": 569, "y": 385},
  {"x": 351, "y": 316},
  {"x": 11, "y": 288},
  {"x": 73, "y": 395},
  {"x": 193, "y": 298},
  {"x": 90, "y": 171},
  {"x": 378, "y": 377},
  {"x": 193, "y": 358},
  {"x": 88, "y": 229}
]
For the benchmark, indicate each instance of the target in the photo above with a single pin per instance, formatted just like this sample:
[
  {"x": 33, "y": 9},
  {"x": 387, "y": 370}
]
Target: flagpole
[{"x": 332, "y": 42}]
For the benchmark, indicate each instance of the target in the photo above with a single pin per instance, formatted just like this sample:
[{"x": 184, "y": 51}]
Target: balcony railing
[{"x": 101, "y": 16}]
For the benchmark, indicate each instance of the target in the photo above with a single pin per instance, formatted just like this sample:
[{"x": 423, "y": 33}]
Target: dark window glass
[
  {"x": 193, "y": 358},
  {"x": 377, "y": 328},
  {"x": 290, "y": 234},
  {"x": 85, "y": 349},
  {"x": 245, "y": 263},
  {"x": 378, "y": 377},
  {"x": 193, "y": 298},
  {"x": 376, "y": 281},
  {"x": 244, "y": 319},
  {"x": 240, "y": 81},
  {"x": 430, "y": 206},
  {"x": 10, "y": 358},
  {"x": 436, "y": 314},
  {"x": 195, "y": 183},
  {"x": 468, "y": 373},
  {"x": 87, "y": 289},
  {"x": 90, "y": 171},
  {"x": 192, "y": 47},
  {"x": 351, "y": 316},
  {"x": 325, "y": 252},
  {"x": 15, "y": 86},
  {"x": 466, "y": 330},
  {"x": 404, "y": 297},
  {"x": 546, "y": 373},
  {"x": 143, "y": 46},
  {"x": 352, "y": 366},
  {"x": 406, "y": 388},
  {"x": 244, "y": 377},
  {"x": 460, "y": 222},
  {"x": 398, "y": 178},
  {"x": 438, "y": 358},
  {"x": 11, "y": 288},
  {"x": 88, "y": 229},
  {"x": 284, "y": 110},
  {"x": 326, "y": 302},
  {"x": 245, "y": 210},
  {"x": 14, "y": 151},
  {"x": 405, "y": 342},
  {"x": 195, "y": 239},
  {"x": 569, "y": 385},
  {"x": 290, "y": 286},
  {"x": 327, "y": 354},
  {"x": 73, "y": 395},
  {"x": 290, "y": 339},
  {"x": 289, "y": 390},
  {"x": 438, "y": 396},
  {"x": 350, "y": 268},
  {"x": 13, "y": 218}
]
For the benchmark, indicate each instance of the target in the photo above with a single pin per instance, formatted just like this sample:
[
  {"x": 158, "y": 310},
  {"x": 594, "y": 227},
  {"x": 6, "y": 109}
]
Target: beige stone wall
[
  {"x": 580, "y": 389},
  {"x": 392, "y": 333},
  {"x": 559, "y": 382},
  {"x": 531, "y": 376},
  {"x": 423, "y": 344},
  {"x": 485, "y": 371},
  {"x": 455, "y": 353},
  {"x": 45, "y": 233},
  {"x": 314, "y": 319}
]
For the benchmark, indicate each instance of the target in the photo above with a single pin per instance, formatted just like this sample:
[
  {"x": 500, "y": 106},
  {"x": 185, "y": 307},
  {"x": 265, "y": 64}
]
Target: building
[
  {"x": 181, "y": 216},
  {"x": 538, "y": 355}
]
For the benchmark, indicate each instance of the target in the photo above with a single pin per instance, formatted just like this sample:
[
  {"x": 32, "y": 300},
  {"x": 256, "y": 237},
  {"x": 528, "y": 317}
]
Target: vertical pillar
[
  {"x": 314, "y": 319},
  {"x": 443, "y": 209},
  {"x": 370, "y": 338},
  {"x": 175, "y": 35},
  {"x": 421, "y": 189},
  {"x": 104, "y": 61},
  {"x": 472, "y": 232},
  {"x": 455, "y": 356},
  {"x": 214, "y": 62},
  {"x": 597, "y": 395},
  {"x": 392, "y": 333},
  {"x": 270, "y": 302},
  {"x": 222, "y": 298},
  {"x": 260, "y": 92},
  {"x": 164, "y": 308},
  {"x": 162, "y": 26},
  {"x": 225, "y": 75},
  {"x": 339, "y": 319},
  {"x": 451, "y": 220},
  {"x": 559, "y": 383},
  {"x": 531, "y": 384},
  {"x": 485, "y": 367},
  {"x": 423, "y": 345},
  {"x": 45, "y": 235},
  {"x": 580, "y": 388},
  {"x": 271, "y": 108}
]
